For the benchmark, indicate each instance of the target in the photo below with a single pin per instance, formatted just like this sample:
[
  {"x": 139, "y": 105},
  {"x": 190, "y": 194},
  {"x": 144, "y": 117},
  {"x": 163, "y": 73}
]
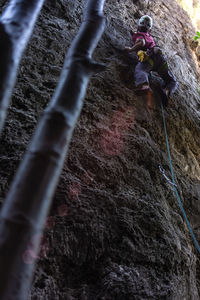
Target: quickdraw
[{"x": 162, "y": 170}]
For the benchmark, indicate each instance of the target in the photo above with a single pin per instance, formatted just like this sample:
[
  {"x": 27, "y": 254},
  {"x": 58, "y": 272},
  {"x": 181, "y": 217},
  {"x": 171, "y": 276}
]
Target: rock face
[{"x": 115, "y": 229}]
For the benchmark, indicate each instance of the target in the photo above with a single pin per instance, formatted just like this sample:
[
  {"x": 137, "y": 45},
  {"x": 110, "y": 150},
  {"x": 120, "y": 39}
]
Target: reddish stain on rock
[
  {"x": 50, "y": 222},
  {"x": 74, "y": 190},
  {"x": 62, "y": 210},
  {"x": 112, "y": 139},
  {"x": 112, "y": 143}
]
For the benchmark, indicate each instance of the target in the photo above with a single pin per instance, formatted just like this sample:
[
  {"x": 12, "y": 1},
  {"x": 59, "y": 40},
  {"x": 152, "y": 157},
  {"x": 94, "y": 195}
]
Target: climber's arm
[{"x": 140, "y": 43}]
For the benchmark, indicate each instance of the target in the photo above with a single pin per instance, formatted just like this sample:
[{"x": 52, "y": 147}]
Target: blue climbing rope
[{"x": 174, "y": 183}]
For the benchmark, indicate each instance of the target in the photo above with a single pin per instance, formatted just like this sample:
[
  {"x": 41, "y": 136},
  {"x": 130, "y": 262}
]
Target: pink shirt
[{"x": 149, "y": 42}]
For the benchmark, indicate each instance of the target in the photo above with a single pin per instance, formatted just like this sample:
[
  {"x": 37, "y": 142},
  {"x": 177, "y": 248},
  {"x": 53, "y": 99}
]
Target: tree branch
[
  {"x": 26, "y": 206},
  {"x": 16, "y": 25}
]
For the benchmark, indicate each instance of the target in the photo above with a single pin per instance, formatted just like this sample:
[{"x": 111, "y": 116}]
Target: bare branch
[
  {"x": 16, "y": 25},
  {"x": 26, "y": 207}
]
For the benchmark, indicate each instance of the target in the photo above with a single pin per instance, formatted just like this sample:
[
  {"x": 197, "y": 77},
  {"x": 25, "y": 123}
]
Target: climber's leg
[
  {"x": 141, "y": 75},
  {"x": 162, "y": 68},
  {"x": 171, "y": 84}
]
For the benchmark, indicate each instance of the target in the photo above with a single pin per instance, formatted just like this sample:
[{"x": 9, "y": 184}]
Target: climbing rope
[{"x": 174, "y": 183}]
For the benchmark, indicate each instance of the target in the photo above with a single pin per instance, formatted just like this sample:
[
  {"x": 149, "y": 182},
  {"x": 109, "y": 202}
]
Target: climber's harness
[
  {"x": 143, "y": 56},
  {"x": 150, "y": 57}
]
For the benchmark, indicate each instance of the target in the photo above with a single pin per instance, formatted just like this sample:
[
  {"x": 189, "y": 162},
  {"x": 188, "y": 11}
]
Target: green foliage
[{"x": 197, "y": 36}]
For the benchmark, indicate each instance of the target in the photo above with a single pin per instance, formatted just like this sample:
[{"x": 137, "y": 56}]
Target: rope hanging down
[{"x": 174, "y": 183}]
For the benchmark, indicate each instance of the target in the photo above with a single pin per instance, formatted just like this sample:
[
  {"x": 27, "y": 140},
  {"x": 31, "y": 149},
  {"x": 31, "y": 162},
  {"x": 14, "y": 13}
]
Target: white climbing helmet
[{"x": 146, "y": 22}]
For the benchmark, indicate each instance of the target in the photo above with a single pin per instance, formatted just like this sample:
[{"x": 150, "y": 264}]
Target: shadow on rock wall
[{"x": 115, "y": 230}]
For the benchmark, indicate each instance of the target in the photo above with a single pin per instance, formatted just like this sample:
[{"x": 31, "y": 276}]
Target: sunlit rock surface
[
  {"x": 115, "y": 229},
  {"x": 193, "y": 9}
]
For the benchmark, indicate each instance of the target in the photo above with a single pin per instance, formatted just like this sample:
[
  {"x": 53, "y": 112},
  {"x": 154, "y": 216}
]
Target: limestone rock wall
[{"x": 115, "y": 230}]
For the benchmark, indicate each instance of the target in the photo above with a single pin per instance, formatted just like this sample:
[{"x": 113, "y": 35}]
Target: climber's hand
[
  {"x": 128, "y": 49},
  {"x": 142, "y": 56},
  {"x": 157, "y": 50}
]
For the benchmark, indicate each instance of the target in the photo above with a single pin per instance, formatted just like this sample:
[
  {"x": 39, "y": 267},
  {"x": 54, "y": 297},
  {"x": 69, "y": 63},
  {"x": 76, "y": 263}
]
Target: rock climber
[{"x": 150, "y": 59}]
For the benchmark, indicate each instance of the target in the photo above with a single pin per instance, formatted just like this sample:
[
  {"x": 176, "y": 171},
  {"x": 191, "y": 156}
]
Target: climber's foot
[{"x": 144, "y": 89}]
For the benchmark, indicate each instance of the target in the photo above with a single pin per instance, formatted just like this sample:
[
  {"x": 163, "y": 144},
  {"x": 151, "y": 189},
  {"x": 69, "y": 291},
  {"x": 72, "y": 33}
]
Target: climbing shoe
[{"x": 145, "y": 89}]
